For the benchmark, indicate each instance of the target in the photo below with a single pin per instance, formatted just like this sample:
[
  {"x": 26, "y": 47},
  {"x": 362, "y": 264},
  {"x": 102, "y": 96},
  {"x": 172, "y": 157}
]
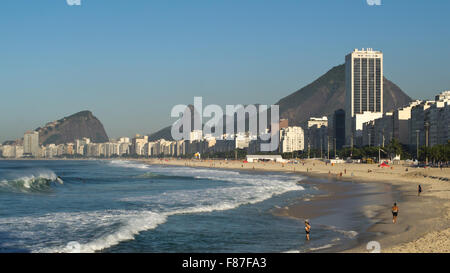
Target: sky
[{"x": 130, "y": 62}]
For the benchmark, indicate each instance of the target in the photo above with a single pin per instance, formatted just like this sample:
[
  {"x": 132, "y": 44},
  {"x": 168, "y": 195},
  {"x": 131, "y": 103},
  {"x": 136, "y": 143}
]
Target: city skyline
[
  {"x": 428, "y": 119},
  {"x": 58, "y": 61}
]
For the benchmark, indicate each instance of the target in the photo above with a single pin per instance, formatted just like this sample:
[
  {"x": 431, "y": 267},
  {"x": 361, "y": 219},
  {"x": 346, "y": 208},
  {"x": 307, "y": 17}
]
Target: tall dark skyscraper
[{"x": 339, "y": 128}]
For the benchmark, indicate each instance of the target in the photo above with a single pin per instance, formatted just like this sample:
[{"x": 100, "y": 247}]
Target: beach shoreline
[{"x": 423, "y": 224}]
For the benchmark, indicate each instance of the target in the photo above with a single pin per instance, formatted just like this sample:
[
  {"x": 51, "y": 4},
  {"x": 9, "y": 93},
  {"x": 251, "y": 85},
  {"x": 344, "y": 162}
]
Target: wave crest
[{"x": 38, "y": 181}]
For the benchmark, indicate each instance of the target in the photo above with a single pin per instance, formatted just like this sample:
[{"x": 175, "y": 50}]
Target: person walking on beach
[
  {"x": 419, "y": 190},
  {"x": 394, "y": 213},
  {"x": 307, "y": 229}
]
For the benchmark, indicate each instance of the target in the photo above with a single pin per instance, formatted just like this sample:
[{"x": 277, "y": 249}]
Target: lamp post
[
  {"x": 321, "y": 148},
  {"x": 427, "y": 127},
  {"x": 351, "y": 145},
  {"x": 328, "y": 146},
  {"x": 334, "y": 148},
  {"x": 379, "y": 155},
  {"x": 417, "y": 144},
  {"x": 309, "y": 147}
]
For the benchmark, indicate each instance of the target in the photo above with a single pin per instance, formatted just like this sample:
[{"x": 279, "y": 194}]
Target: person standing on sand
[
  {"x": 394, "y": 213},
  {"x": 419, "y": 190},
  {"x": 307, "y": 229}
]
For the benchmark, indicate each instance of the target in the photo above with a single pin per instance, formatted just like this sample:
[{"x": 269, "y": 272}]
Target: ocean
[{"x": 128, "y": 206}]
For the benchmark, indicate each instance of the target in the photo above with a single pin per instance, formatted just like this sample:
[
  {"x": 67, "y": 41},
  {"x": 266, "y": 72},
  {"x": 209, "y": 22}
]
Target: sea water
[{"x": 127, "y": 206}]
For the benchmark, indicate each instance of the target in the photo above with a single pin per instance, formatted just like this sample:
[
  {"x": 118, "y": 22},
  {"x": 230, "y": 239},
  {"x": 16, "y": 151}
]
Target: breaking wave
[
  {"x": 101, "y": 229},
  {"x": 128, "y": 164},
  {"x": 33, "y": 181}
]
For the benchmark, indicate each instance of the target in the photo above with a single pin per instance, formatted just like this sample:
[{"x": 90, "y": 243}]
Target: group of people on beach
[{"x": 394, "y": 210}]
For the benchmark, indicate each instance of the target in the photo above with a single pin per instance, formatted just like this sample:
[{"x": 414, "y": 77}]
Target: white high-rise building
[
  {"x": 363, "y": 89},
  {"x": 31, "y": 144},
  {"x": 195, "y": 135},
  {"x": 292, "y": 139},
  {"x": 319, "y": 122}
]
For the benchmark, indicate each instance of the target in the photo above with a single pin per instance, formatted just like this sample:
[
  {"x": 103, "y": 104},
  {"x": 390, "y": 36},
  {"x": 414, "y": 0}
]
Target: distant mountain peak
[
  {"x": 320, "y": 98},
  {"x": 327, "y": 94},
  {"x": 76, "y": 126}
]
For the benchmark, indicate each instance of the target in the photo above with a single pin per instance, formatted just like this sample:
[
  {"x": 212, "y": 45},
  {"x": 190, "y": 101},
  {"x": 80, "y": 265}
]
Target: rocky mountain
[
  {"x": 76, "y": 126},
  {"x": 327, "y": 94},
  {"x": 166, "y": 132},
  {"x": 320, "y": 98}
]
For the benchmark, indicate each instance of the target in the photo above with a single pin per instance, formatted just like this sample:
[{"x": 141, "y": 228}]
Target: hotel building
[{"x": 363, "y": 89}]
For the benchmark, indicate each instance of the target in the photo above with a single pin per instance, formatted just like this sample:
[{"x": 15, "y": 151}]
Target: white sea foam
[
  {"x": 131, "y": 224},
  {"x": 28, "y": 180},
  {"x": 243, "y": 189},
  {"x": 309, "y": 249},
  {"x": 98, "y": 230},
  {"x": 321, "y": 247},
  {"x": 115, "y": 226},
  {"x": 292, "y": 251},
  {"x": 128, "y": 164},
  {"x": 348, "y": 233}
]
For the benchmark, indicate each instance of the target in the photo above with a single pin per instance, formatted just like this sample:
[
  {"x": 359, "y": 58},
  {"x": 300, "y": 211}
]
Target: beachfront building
[
  {"x": 378, "y": 132},
  {"x": 292, "y": 139},
  {"x": 395, "y": 124},
  {"x": 80, "y": 145},
  {"x": 124, "y": 140},
  {"x": 336, "y": 127},
  {"x": 225, "y": 145},
  {"x": 19, "y": 151},
  {"x": 31, "y": 144},
  {"x": 92, "y": 150},
  {"x": 195, "y": 135},
  {"x": 363, "y": 90},
  {"x": 317, "y": 135},
  {"x": 439, "y": 121},
  {"x": 124, "y": 148},
  {"x": 69, "y": 149},
  {"x": 384, "y": 129},
  {"x": 429, "y": 123},
  {"x": 357, "y": 124},
  {"x": 368, "y": 135},
  {"x": 318, "y": 122},
  {"x": 419, "y": 117},
  {"x": 50, "y": 151},
  {"x": 138, "y": 143},
  {"x": 11, "y": 151},
  {"x": 109, "y": 149},
  {"x": 401, "y": 118},
  {"x": 242, "y": 141},
  {"x": 151, "y": 148},
  {"x": 181, "y": 147},
  {"x": 8, "y": 151}
]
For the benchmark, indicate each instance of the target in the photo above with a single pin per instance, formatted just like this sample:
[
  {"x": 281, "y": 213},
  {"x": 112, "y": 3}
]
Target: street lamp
[
  {"x": 417, "y": 143},
  {"x": 427, "y": 127},
  {"x": 328, "y": 146},
  {"x": 334, "y": 148}
]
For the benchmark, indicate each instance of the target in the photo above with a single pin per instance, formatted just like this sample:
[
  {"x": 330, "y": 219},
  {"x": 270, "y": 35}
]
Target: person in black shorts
[
  {"x": 394, "y": 213},
  {"x": 419, "y": 190},
  {"x": 307, "y": 229}
]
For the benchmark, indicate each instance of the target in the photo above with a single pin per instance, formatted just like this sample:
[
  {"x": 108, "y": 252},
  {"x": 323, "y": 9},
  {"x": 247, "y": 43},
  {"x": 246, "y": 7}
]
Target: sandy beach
[{"x": 423, "y": 224}]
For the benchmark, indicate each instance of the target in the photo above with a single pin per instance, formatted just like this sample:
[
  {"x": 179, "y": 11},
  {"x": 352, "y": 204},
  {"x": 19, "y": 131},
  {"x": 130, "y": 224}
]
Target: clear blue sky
[{"x": 130, "y": 62}]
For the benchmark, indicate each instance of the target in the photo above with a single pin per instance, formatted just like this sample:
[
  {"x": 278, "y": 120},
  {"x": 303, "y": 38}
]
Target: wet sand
[
  {"x": 423, "y": 223},
  {"x": 348, "y": 207}
]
